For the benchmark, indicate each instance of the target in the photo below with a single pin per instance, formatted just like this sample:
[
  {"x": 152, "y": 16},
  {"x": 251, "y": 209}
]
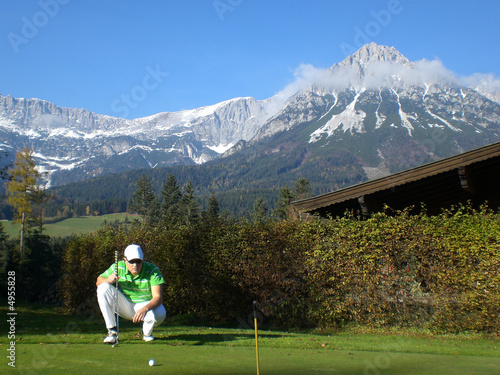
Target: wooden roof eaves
[{"x": 398, "y": 179}]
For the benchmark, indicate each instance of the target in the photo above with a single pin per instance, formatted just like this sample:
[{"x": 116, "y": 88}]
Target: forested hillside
[{"x": 236, "y": 181}]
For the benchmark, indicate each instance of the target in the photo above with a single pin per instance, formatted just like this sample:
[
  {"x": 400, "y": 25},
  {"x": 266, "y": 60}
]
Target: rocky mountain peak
[
  {"x": 373, "y": 53},
  {"x": 372, "y": 60}
]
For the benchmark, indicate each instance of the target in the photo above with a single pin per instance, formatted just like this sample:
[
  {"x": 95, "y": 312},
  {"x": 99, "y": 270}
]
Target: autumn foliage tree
[{"x": 23, "y": 189}]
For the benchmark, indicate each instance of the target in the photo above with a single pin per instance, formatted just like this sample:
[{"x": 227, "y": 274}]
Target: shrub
[{"x": 393, "y": 269}]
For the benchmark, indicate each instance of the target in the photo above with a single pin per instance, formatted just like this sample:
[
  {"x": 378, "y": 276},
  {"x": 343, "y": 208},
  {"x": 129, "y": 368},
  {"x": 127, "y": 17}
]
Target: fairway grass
[{"x": 48, "y": 342}]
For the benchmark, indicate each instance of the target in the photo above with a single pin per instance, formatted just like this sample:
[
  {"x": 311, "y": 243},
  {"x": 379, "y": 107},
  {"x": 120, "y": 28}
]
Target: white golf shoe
[
  {"x": 111, "y": 337},
  {"x": 148, "y": 338}
]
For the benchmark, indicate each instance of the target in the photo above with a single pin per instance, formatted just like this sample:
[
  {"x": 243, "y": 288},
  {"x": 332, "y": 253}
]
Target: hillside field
[{"x": 67, "y": 227}]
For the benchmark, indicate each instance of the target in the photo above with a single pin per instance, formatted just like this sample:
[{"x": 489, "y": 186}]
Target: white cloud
[
  {"x": 486, "y": 84},
  {"x": 370, "y": 76},
  {"x": 306, "y": 76},
  {"x": 430, "y": 71},
  {"x": 380, "y": 74},
  {"x": 49, "y": 121}
]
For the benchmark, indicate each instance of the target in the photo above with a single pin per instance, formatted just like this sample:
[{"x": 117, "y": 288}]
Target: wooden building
[{"x": 471, "y": 176}]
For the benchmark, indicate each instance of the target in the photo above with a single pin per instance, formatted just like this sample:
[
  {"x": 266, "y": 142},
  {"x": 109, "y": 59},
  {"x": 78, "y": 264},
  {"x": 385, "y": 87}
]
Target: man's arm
[
  {"x": 157, "y": 292},
  {"x": 110, "y": 280}
]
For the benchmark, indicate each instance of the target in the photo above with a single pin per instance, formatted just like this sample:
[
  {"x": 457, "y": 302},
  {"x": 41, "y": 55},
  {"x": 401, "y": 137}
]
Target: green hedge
[{"x": 394, "y": 269}]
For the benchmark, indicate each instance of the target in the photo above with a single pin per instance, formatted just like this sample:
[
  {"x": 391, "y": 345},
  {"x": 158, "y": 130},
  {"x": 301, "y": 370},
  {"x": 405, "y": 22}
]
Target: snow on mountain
[
  {"x": 69, "y": 138},
  {"x": 376, "y": 92},
  {"x": 351, "y": 119},
  {"x": 378, "y": 87}
]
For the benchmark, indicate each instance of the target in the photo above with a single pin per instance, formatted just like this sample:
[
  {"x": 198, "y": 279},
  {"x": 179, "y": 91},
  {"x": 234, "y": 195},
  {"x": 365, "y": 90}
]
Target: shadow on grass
[
  {"x": 211, "y": 338},
  {"x": 43, "y": 323}
]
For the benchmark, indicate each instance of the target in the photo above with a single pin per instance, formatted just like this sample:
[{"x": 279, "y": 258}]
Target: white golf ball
[{"x": 151, "y": 362}]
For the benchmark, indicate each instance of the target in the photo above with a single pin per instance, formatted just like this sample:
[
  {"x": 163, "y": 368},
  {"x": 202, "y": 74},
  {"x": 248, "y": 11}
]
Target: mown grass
[
  {"x": 48, "y": 341},
  {"x": 68, "y": 227}
]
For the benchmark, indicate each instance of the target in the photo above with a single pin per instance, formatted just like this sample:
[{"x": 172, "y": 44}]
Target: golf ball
[{"x": 151, "y": 362}]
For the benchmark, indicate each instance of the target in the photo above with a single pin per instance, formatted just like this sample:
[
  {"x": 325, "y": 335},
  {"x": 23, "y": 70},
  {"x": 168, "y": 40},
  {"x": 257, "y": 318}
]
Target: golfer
[{"x": 140, "y": 294}]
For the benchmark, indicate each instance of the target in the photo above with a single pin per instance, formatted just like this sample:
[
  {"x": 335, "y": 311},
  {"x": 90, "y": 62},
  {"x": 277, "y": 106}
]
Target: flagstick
[{"x": 256, "y": 336}]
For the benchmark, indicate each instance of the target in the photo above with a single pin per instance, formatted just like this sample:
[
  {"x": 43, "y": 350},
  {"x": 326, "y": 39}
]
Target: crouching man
[{"x": 140, "y": 294}]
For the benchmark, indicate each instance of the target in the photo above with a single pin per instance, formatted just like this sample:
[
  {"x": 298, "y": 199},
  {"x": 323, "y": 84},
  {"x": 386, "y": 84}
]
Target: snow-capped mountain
[
  {"x": 390, "y": 112},
  {"x": 77, "y": 142},
  {"x": 394, "y": 112}
]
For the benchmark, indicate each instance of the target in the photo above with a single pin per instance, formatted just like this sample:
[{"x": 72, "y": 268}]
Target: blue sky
[{"x": 137, "y": 58}]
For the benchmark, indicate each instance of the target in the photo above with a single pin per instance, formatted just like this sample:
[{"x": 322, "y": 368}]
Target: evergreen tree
[
  {"x": 3, "y": 249},
  {"x": 259, "y": 211},
  {"x": 172, "y": 201},
  {"x": 285, "y": 197},
  {"x": 145, "y": 202},
  {"x": 3, "y": 236},
  {"x": 212, "y": 212},
  {"x": 5, "y": 260},
  {"x": 189, "y": 205},
  {"x": 302, "y": 189},
  {"x": 4, "y": 168},
  {"x": 39, "y": 269}
]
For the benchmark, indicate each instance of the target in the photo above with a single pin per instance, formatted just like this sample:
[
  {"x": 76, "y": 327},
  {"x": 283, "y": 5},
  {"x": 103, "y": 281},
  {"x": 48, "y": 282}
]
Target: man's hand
[
  {"x": 112, "y": 278},
  {"x": 157, "y": 293},
  {"x": 139, "y": 315}
]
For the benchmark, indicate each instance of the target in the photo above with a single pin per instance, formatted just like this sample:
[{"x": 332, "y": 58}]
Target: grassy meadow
[{"x": 67, "y": 227}]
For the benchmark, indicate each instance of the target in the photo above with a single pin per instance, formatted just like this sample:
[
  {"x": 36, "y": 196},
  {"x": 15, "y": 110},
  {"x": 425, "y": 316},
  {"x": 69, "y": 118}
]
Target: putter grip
[
  {"x": 116, "y": 266},
  {"x": 254, "y": 311}
]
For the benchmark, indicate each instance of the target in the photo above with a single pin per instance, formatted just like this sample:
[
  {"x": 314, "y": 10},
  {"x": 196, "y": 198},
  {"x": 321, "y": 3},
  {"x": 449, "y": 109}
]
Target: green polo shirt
[{"x": 136, "y": 288}]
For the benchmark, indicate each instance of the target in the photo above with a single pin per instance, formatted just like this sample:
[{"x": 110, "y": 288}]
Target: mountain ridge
[{"x": 361, "y": 104}]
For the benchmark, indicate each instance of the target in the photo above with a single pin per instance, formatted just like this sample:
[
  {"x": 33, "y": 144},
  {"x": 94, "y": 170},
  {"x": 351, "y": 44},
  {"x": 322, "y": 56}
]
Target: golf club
[{"x": 117, "y": 317}]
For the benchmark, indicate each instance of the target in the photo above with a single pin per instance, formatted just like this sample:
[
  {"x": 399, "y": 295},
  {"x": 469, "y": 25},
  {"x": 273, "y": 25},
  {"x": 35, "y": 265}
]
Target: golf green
[
  {"x": 48, "y": 341},
  {"x": 206, "y": 359}
]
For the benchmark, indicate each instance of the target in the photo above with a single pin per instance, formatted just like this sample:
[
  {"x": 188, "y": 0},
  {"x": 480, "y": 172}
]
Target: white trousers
[{"x": 106, "y": 296}]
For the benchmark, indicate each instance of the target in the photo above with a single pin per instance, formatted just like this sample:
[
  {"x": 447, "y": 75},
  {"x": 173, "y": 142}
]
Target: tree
[
  {"x": 302, "y": 189},
  {"x": 4, "y": 167},
  {"x": 6, "y": 255},
  {"x": 23, "y": 190},
  {"x": 211, "y": 214},
  {"x": 189, "y": 205},
  {"x": 171, "y": 202},
  {"x": 145, "y": 202},
  {"x": 3, "y": 237},
  {"x": 285, "y": 197},
  {"x": 259, "y": 211},
  {"x": 3, "y": 248}
]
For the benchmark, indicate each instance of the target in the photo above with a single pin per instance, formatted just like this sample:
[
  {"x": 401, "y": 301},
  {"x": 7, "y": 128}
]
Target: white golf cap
[{"x": 133, "y": 252}]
